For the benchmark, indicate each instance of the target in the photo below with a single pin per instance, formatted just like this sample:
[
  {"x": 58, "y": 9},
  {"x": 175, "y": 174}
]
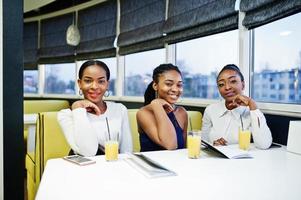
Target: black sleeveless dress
[{"x": 148, "y": 145}]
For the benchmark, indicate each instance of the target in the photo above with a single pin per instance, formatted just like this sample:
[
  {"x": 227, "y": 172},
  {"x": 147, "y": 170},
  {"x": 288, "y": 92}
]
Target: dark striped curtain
[
  {"x": 53, "y": 45},
  {"x": 196, "y": 18},
  {"x": 260, "y": 12},
  {"x": 97, "y": 26},
  {"x": 141, "y": 25},
  {"x": 30, "y": 45}
]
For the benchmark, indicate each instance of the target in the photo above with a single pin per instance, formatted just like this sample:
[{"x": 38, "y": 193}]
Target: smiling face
[
  {"x": 230, "y": 84},
  {"x": 169, "y": 86},
  {"x": 94, "y": 83}
]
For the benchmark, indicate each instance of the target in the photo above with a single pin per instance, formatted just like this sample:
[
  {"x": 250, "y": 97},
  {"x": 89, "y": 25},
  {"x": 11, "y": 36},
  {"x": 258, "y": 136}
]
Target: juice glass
[
  {"x": 194, "y": 144},
  {"x": 244, "y": 139},
  {"x": 111, "y": 150}
]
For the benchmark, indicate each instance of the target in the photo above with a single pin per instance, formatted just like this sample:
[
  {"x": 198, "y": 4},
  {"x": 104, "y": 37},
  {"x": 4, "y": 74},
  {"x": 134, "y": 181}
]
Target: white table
[{"x": 271, "y": 174}]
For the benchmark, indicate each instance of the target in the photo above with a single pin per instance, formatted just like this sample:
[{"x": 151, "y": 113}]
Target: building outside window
[
  {"x": 139, "y": 69},
  {"x": 112, "y": 64},
  {"x": 60, "y": 78},
  {"x": 281, "y": 86},
  {"x": 277, "y": 57},
  {"x": 201, "y": 59},
  {"x": 31, "y": 81}
]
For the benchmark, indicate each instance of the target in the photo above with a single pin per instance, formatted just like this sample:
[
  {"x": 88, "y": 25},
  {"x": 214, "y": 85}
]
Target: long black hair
[
  {"x": 93, "y": 62},
  {"x": 150, "y": 93},
  {"x": 231, "y": 67}
]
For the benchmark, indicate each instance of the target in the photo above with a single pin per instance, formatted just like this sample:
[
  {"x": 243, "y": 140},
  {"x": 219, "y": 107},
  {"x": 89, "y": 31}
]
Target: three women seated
[{"x": 161, "y": 124}]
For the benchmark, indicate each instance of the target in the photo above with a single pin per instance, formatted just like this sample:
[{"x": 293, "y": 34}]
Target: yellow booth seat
[
  {"x": 194, "y": 120},
  {"x": 50, "y": 143},
  {"x": 134, "y": 129},
  {"x": 37, "y": 106}
]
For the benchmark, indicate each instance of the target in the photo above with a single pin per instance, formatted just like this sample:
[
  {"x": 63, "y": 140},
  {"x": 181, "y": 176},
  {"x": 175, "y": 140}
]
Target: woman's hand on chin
[
  {"x": 88, "y": 105},
  {"x": 161, "y": 102},
  {"x": 242, "y": 100}
]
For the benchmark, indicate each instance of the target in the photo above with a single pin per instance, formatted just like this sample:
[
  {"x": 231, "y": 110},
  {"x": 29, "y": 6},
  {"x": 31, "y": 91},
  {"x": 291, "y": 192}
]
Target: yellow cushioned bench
[
  {"x": 31, "y": 107},
  {"x": 134, "y": 129},
  {"x": 37, "y": 106},
  {"x": 194, "y": 120},
  {"x": 50, "y": 143}
]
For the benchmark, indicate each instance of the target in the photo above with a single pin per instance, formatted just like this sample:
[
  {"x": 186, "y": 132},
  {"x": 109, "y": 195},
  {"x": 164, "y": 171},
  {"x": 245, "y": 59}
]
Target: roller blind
[
  {"x": 195, "y": 18},
  {"x": 53, "y": 45},
  {"x": 97, "y": 26},
  {"x": 30, "y": 45},
  {"x": 141, "y": 25},
  {"x": 260, "y": 12}
]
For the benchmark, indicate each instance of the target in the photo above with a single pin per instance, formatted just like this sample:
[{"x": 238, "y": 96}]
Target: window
[
  {"x": 112, "y": 64},
  {"x": 256, "y": 95},
  {"x": 272, "y": 96},
  {"x": 30, "y": 81},
  {"x": 291, "y": 86},
  {"x": 264, "y": 86},
  {"x": 291, "y": 97},
  {"x": 60, "y": 78},
  {"x": 291, "y": 75},
  {"x": 139, "y": 69},
  {"x": 281, "y": 87},
  {"x": 281, "y": 96},
  {"x": 201, "y": 59},
  {"x": 277, "y": 55}
]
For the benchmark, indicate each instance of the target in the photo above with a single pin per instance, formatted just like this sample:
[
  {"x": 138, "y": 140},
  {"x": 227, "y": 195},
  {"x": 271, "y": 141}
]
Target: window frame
[{"x": 245, "y": 60}]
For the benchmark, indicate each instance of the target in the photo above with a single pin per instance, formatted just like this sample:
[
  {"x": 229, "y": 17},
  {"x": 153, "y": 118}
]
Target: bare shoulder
[
  {"x": 181, "y": 111},
  {"x": 145, "y": 119},
  {"x": 182, "y": 116},
  {"x": 144, "y": 111}
]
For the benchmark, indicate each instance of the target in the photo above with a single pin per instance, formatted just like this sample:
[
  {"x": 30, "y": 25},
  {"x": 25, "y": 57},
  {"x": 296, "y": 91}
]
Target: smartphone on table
[{"x": 79, "y": 160}]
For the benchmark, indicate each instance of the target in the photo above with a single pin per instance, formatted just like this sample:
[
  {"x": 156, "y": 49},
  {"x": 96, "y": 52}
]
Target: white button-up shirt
[{"x": 219, "y": 122}]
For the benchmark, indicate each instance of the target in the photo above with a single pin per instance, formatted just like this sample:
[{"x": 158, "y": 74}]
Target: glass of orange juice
[
  {"x": 111, "y": 150},
  {"x": 194, "y": 144},
  {"x": 244, "y": 139}
]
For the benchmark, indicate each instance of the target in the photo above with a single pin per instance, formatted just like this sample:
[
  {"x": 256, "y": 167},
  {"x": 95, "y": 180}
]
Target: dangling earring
[
  {"x": 80, "y": 92},
  {"x": 156, "y": 94},
  {"x": 107, "y": 93}
]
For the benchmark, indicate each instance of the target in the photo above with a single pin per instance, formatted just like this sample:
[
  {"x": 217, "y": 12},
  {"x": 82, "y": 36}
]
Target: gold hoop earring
[{"x": 107, "y": 93}]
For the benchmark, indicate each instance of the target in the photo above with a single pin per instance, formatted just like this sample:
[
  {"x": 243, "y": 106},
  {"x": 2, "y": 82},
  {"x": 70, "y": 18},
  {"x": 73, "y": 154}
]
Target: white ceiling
[{"x": 34, "y": 4}]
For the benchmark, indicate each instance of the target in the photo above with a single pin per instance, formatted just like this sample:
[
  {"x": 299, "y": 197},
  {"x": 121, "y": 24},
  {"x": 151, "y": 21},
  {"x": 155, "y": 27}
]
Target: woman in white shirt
[
  {"x": 92, "y": 121},
  {"x": 221, "y": 121}
]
